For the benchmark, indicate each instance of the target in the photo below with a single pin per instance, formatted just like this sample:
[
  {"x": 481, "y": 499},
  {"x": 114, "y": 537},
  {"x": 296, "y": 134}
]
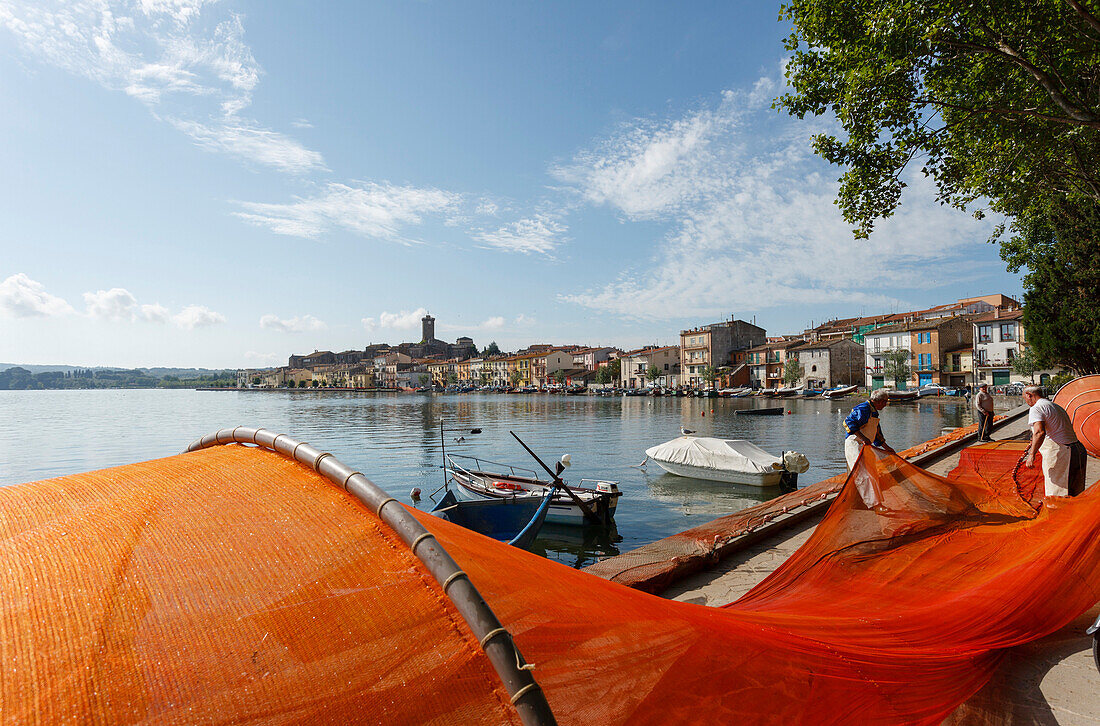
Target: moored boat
[
  {"x": 897, "y": 396},
  {"x": 792, "y": 391},
  {"x": 839, "y": 392},
  {"x": 515, "y": 520},
  {"x": 768, "y": 411},
  {"x": 727, "y": 460},
  {"x": 474, "y": 482}
]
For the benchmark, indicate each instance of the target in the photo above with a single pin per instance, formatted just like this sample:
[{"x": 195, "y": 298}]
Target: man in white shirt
[{"x": 1052, "y": 435}]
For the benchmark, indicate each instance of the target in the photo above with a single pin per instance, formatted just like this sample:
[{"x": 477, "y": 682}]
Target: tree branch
[{"x": 1084, "y": 13}]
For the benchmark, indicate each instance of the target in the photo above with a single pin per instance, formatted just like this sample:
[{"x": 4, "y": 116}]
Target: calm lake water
[{"x": 394, "y": 440}]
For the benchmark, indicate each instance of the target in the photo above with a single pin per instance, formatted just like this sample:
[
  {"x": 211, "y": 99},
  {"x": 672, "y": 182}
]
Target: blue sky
[{"x": 220, "y": 184}]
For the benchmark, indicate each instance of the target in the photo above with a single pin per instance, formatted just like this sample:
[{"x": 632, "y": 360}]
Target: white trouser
[
  {"x": 865, "y": 485},
  {"x": 1056, "y": 459}
]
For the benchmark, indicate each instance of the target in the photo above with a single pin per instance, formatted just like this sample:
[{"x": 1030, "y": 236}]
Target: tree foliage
[
  {"x": 895, "y": 365},
  {"x": 792, "y": 371},
  {"x": 709, "y": 374},
  {"x": 1026, "y": 364},
  {"x": 652, "y": 373},
  {"x": 998, "y": 99},
  {"x": 1060, "y": 246},
  {"x": 603, "y": 375},
  {"x": 491, "y": 349}
]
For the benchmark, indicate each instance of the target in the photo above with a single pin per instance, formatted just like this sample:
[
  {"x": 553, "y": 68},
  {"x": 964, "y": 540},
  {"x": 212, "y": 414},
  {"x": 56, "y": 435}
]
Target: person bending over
[
  {"x": 1052, "y": 435},
  {"x": 862, "y": 427}
]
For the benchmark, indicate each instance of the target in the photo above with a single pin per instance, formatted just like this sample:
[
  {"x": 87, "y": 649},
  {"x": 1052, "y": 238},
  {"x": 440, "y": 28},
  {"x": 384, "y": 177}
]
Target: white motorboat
[
  {"x": 839, "y": 392},
  {"x": 792, "y": 391},
  {"x": 729, "y": 460},
  {"x": 473, "y": 483}
]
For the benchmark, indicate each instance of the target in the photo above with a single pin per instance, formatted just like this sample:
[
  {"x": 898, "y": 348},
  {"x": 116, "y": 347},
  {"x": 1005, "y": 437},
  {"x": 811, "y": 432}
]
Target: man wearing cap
[
  {"x": 983, "y": 402},
  {"x": 1052, "y": 435}
]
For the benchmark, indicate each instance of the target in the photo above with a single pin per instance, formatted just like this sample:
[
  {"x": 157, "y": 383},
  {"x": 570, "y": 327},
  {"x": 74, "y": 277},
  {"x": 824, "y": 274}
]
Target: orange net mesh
[
  {"x": 1081, "y": 400},
  {"x": 233, "y": 585},
  {"x": 655, "y": 566}
]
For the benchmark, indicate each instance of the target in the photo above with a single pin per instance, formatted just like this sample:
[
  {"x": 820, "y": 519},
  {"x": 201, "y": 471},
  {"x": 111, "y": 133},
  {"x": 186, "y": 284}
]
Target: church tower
[{"x": 427, "y": 328}]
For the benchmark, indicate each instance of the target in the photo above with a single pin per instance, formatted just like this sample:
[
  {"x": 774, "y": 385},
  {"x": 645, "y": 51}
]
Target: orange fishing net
[
  {"x": 232, "y": 585},
  {"x": 1081, "y": 400}
]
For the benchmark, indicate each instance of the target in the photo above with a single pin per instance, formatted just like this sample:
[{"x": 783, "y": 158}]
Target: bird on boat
[
  {"x": 460, "y": 439},
  {"x": 685, "y": 432}
]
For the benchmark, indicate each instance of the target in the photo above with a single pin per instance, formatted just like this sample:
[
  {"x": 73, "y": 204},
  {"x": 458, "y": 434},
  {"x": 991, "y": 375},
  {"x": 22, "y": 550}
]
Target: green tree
[
  {"x": 1060, "y": 246},
  {"x": 491, "y": 349},
  {"x": 1026, "y": 364},
  {"x": 792, "y": 371},
  {"x": 302, "y": 383},
  {"x": 652, "y": 373},
  {"x": 603, "y": 375},
  {"x": 255, "y": 380},
  {"x": 709, "y": 374},
  {"x": 997, "y": 99},
  {"x": 616, "y": 368},
  {"x": 558, "y": 376},
  {"x": 895, "y": 365},
  {"x": 485, "y": 377},
  {"x": 452, "y": 378},
  {"x": 515, "y": 377},
  {"x": 315, "y": 383}
]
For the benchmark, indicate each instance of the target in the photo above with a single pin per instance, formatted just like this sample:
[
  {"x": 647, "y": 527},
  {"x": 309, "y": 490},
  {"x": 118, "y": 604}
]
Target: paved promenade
[{"x": 1050, "y": 681}]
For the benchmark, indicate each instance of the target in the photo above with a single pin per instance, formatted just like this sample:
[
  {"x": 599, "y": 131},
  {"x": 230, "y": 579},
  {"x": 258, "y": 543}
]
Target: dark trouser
[
  {"x": 1077, "y": 460},
  {"x": 985, "y": 426}
]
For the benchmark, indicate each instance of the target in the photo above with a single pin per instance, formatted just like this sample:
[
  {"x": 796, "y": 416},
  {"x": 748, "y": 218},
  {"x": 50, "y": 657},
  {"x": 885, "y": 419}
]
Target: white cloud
[
  {"x": 540, "y": 234},
  {"x": 494, "y": 323},
  {"x": 404, "y": 320},
  {"x": 249, "y": 142},
  {"x": 263, "y": 359},
  {"x": 301, "y": 123},
  {"x": 22, "y": 297},
  {"x": 369, "y": 209},
  {"x": 155, "y": 313},
  {"x": 114, "y": 304},
  {"x": 195, "y": 72},
  {"x": 752, "y": 218},
  {"x": 197, "y": 316},
  {"x": 305, "y": 323}
]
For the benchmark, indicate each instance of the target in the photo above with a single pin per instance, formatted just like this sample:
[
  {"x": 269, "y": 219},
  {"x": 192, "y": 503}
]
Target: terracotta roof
[{"x": 993, "y": 317}]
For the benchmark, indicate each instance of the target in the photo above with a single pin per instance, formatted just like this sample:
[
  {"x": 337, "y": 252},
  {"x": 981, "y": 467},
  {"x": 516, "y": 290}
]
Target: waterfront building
[
  {"x": 831, "y": 362},
  {"x": 930, "y": 345},
  {"x": 711, "y": 345},
  {"x": 999, "y": 339},
  {"x": 634, "y": 366},
  {"x": 591, "y": 358}
]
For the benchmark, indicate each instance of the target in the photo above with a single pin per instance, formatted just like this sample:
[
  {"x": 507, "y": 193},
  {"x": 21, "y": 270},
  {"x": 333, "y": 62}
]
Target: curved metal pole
[{"x": 495, "y": 640}]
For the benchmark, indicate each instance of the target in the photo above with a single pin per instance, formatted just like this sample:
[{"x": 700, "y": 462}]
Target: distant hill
[{"x": 182, "y": 373}]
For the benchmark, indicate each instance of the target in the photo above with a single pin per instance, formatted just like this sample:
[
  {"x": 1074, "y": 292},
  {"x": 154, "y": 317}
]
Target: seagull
[
  {"x": 460, "y": 439},
  {"x": 642, "y": 465},
  {"x": 685, "y": 432}
]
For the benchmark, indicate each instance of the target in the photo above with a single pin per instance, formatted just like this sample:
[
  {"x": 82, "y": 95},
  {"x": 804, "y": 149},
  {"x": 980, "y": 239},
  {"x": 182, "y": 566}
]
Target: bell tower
[{"x": 427, "y": 333}]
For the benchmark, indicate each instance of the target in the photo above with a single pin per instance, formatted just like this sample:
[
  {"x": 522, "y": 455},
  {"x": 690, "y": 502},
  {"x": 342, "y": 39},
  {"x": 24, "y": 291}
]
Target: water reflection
[{"x": 394, "y": 439}]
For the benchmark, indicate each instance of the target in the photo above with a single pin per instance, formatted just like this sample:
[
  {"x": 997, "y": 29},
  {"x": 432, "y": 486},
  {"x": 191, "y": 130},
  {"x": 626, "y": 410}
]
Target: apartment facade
[
  {"x": 931, "y": 345},
  {"x": 711, "y": 345},
  {"x": 634, "y": 367},
  {"x": 829, "y": 363}
]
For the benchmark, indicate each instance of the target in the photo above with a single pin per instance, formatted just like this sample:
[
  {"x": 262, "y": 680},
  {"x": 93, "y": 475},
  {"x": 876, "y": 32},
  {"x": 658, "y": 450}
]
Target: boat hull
[
  {"x": 562, "y": 509},
  {"x": 765, "y": 479}
]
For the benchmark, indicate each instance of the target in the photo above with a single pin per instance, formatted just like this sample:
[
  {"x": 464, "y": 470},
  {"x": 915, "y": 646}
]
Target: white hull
[{"x": 765, "y": 479}]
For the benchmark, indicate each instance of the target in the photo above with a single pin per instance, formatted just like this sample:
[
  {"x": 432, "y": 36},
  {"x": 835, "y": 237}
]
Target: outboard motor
[
  {"x": 793, "y": 464},
  {"x": 1094, "y": 631}
]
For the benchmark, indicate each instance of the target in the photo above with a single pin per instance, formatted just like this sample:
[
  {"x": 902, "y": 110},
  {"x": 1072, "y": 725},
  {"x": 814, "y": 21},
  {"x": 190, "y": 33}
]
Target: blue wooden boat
[{"x": 515, "y": 520}]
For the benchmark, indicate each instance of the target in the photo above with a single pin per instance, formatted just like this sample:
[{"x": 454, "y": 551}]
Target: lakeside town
[{"x": 953, "y": 345}]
